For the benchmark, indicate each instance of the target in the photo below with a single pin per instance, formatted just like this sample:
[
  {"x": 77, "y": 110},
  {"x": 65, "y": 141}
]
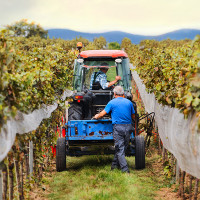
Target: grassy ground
[{"x": 90, "y": 177}]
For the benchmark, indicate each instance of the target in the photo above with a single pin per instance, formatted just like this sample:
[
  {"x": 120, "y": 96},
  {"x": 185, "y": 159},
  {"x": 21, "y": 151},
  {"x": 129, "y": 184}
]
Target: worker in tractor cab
[
  {"x": 122, "y": 113},
  {"x": 99, "y": 79}
]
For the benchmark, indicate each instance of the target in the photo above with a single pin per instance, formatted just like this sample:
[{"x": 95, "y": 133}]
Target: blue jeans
[{"x": 121, "y": 136}]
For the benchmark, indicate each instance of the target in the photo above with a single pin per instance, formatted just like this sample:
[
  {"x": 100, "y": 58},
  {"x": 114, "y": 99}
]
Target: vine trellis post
[
  {"x": 1, "y": 183},
  {"x": 66, "y": 111},
  {"x": 31, "y": 157}
]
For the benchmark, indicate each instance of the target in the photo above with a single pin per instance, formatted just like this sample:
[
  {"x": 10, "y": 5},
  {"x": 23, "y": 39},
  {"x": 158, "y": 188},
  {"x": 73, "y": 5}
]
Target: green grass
[{"x": 90, "y": 177}]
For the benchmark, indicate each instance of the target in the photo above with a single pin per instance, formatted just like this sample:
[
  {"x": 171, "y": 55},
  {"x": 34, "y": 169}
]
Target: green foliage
[
  {"x": 71, "y": 44},
  {"x": 24, "y": 29},
  {"x": 126, "y": 44},
  {"x": 170, "y": 70},
  {"x": 114, "y": 45},
  {"x": 100, "y": 42},
  {"x": 97, "y": 44},
  {"x": 34, "y": 71}
]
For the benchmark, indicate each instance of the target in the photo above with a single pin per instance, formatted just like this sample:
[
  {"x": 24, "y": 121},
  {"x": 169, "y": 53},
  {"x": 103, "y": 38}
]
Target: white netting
[
  {"x": 179, "y": 136},
  {"x": 24, "y": 123}
]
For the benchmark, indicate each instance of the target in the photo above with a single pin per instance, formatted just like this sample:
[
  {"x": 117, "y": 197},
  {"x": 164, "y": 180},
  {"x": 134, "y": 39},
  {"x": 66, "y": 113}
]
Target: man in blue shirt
[
  {"x": 101, "y": 78},
  {"x": 122, "y": 113}
]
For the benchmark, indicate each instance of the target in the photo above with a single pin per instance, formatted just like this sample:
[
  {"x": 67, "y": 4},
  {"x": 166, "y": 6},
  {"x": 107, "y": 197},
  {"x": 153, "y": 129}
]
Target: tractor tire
[
  {"x": 75, "y": 112},
  {"x": 61, "y": 155},
  {"x": 139, "y": 152}
]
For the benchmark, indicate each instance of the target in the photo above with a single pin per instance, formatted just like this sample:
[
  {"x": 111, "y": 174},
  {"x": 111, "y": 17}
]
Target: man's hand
[
  {"x": 96, "y": 116},
  {"x": 100, "y": 115},
  {"x": 117, "y": 78}
]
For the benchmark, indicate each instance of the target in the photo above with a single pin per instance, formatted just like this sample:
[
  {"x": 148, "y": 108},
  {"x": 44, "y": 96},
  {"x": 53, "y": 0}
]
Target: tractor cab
[
  {"x": 93, "y": 60},
  {"x": 93, "y": 99}
]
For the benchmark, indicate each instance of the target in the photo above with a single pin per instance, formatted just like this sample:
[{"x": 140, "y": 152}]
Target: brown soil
[
  {"x": 168, "y": 194},
  {"x": 37, "y": 194},
  {"x": 41, "y": 191},
  {"x": 156, "y": 169}
]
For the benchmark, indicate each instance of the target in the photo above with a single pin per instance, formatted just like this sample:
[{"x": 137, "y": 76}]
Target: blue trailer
[
  {"x": 91, "y": 134},
  {"x": 94, "y": 137}
]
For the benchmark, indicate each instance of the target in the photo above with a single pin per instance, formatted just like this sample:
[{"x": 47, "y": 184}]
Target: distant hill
[{"x": 117, "y": 36}]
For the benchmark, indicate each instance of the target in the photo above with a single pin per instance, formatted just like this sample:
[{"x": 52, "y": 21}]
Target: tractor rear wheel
[
  {"x": 139, "y": 152},
  {"x": 61, "y": 155},
  {"x": 75, "y": 112}
]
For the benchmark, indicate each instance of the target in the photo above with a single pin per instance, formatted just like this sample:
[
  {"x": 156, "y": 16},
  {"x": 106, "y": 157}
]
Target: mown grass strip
[{"x": 90, "y": 177}]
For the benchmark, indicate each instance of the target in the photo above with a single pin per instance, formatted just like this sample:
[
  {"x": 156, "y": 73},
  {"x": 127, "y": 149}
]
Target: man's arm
[
  {"x": 133, "y": 116},
  {"x": 117, "y": 78},
  {"x": 100, "y": 115}
]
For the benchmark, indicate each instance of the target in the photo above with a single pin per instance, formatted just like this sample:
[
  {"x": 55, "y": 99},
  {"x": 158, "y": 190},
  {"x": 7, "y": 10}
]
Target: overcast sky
[{"x": 148, "y": 17}]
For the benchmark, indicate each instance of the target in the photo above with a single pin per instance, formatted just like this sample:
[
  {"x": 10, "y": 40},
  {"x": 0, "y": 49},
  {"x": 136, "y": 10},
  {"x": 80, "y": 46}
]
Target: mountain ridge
[{"x": 117, "y": 36}]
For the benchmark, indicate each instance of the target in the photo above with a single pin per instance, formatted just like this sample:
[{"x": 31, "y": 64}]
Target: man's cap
[{"x": 104, "y": 65}]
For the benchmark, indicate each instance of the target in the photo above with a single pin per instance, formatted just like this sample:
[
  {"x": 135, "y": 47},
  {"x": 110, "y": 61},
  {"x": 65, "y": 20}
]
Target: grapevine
[
  {"x": 170, "y": 70},
  {"x": 34, "y": 71}
]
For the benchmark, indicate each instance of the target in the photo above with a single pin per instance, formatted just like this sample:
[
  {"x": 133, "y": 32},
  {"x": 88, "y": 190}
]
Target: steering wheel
[
  {"x": 118, "y": 83},
  {"x": 113, "y": 86}
]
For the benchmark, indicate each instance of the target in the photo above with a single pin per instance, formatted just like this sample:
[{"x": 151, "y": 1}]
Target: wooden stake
[
  {"x": 190, "y": 188},
  {"x": 159, "y": 146},
  {"x": 164, "y": 154},
  {"x": 18, "y": 179},
  {"x": 66, "y": 111},
  {"x": 181, "y": 186},
  {"x": 1, "y": 181},
  {"x": 174, "y": 165},
  {"x": 11, "y": 178},
  {"x": 5, "y": 180},
  {"x": 40, "y": 171},
  {"x": 22, "y": 178},
  {"x": 179, "y": 182},
  {"x": 27, "y": 163},
  {"x": 31, "y": 157},
  {"x": 196, "y": 189},
  {"x": 177, "y": 171}
]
